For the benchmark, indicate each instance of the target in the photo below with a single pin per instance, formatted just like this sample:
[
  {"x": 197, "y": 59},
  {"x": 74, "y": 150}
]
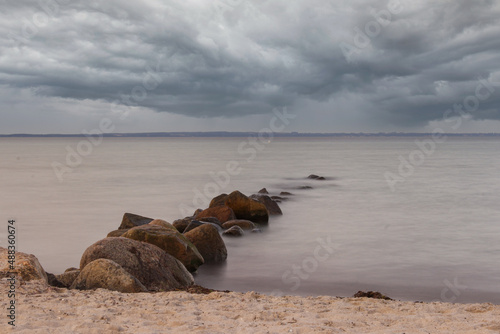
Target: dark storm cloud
[{"x": 232, "y": 58}]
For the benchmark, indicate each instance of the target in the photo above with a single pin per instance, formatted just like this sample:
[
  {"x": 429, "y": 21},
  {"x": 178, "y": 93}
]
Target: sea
[{"x": 416, "y": 219}]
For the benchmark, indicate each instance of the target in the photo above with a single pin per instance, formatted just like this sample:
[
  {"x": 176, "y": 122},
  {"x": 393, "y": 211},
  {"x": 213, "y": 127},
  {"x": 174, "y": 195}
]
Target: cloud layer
[{"x": 232, "y": 58}]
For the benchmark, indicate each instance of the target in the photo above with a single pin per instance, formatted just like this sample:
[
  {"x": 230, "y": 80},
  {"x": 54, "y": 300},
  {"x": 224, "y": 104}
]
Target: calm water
[{"x": 436, "y": 237}]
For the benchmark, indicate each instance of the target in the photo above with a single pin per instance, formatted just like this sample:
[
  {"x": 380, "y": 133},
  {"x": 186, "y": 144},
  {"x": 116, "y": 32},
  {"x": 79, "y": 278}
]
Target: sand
[{"x": 43, "y": 309}]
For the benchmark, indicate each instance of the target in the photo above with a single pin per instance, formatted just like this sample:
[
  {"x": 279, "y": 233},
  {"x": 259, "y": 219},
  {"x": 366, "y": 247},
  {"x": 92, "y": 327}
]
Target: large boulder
[
  {"x": 271, "y": 206},
  {"x": 130, "y": 220},
  {"x": 222, "y": 212},
  {"x": 107, "y": 274},
  {"x": 244, "y": 224},
  {"x": 26, "y": 267},
  {"x": 162, "y": 234},
  {"x": 153, "y": 267},
  {"x": 247, "y": 208},
  {"x": 234, "y": 231},
  {"x": 209, "y": 243},
  {"x": 219, "y": 200}
]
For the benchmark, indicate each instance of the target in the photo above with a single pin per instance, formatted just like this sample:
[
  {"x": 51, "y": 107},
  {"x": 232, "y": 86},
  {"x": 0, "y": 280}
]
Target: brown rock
[
  {"x": 271, "y": 206},
  {"x": 244, "y": 224},
  {"x": 181, "y": 224},
  {"x": 219, "y": 200},
  {"x": 26, "y": 268},
  {"x": 107, "y": 274},
  {"x": 234, "y": 231},
  {"x": 263, "y": 191},
  {"x": 153, "y": 267},
  {"x": 222, "y": 212},
  {"x": 209, "y": 243},
  {"x": 130, "y": 220},
  {"x": 164, "y": 235},
  {"x": 247, "y": 208},
  {"x": 117, "y": 233}
]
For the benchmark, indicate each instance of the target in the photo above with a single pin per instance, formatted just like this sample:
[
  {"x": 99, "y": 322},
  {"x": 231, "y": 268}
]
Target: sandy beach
[{"x": 43, "y": 309}]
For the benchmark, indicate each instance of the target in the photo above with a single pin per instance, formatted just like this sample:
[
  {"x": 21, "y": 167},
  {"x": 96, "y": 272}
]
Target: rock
[
  {"x": 222, "y": 212},
  {"x": 107, "y": 274},
  {"x": 247, "y": 208},
  {"x": 71, "y": 269},
  {"x": 162, "y": 234},
  {"x": 117, "y": 233},
  {"x": 209, "y": 243},
  {"x": 263, "y": 191},
  {"x": 212, "y": 220},
  {"x": 278, "y": 199},
  {"x": 53, "y": 281},
  {"x": 195, "y": 223},
  {"x": 285, "y": 193},
  {"x": 371, "y": 294},
  {"x": 181, "y": 224},
  {"x": 218, "y": 201},
  {"x": 26, "y": 268},
  {"x": 68, "y": 277},
  {"x": 304, "y": 187},
  {"x": 256, "y": 230},
  {"x": 197, "y": 211},
  {"x": 316, "y": 177},
  {"x": 234, "y": 231},
  {"x": 152, "y": 266},
  {"x": 244, "y": 224},
  {"x": 271, "y": 206},
  {"x": 130, "y": 220}
]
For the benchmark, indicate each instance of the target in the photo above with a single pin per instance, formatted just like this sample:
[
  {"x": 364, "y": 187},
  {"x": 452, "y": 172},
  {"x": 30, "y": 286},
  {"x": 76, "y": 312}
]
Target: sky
[{"x": 230, "y": 65}]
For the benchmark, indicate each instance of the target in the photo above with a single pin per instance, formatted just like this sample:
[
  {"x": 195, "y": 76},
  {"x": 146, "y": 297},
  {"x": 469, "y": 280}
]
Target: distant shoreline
[{"x": 219, "y": 134}]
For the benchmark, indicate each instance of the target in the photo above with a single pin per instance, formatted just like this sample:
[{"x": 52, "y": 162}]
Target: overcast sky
[{"x": 198, "y": 65}]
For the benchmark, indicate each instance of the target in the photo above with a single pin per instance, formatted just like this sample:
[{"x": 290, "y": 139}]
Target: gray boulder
[
  {"x": 153, "y": 267},
  {"x": 107, "y": 274}
]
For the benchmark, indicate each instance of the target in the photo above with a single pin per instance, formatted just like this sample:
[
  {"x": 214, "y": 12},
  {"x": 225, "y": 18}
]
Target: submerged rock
[
  {"x": 244, "y": 224},
  {"x": 152, "y": 266},
  {"x": 107, "y": 274},
  {"x": 263, "y": 191},
  {"x": 271, "y": 206},
  {"x": 209, "y": 243},
  {"x": 234, "y": 231}
]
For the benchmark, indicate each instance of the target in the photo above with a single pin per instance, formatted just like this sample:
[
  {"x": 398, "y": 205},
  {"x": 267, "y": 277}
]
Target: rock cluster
[{"x": 146, "y": 254}]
